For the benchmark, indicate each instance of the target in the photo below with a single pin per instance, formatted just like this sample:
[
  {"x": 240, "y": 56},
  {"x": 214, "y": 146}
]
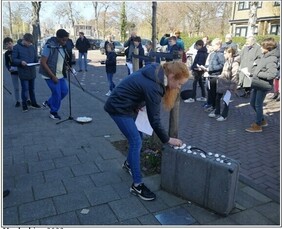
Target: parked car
[
  {"x": 144, "y": 42},
  {"x": 119, "y": 48},
  {"x": 94, "y": 43}
]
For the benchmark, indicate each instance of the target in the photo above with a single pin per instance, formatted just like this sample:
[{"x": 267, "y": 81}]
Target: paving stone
[
  {"x": 69, "y": 218},
  {"x": 246, "y": 200},
  {"x": 169, "y": 199},
  {"x": 15, "y": 170},
  {"x": 255, "y": 194},
  {"x": 98, "y": 215},
  {"x": 222, "y": 221},
  {"x": 18, "y": 196},
  {"x": 250, "y": 217},
  {"x": 130, "y": 222},
  {"x": 85, "y": 168},
  {"x": 57, "y": 174},
  {"x": 154, "y": 206},
  {"x": 105, "y": 178},
  {"x": 66, "y": 161},
  {"x": 128, "y": 208},
  {"x": 149, "y": 219},
  {"x": 49, "y": 154},
  {"x": 50, "y": 189},
  {"x": 111, "y": 165},
  {"x": 29, "y": 179},
  {"x": 35, "y": 167},
  {"x": 271, "y": 211},
  {"x": 122, "y": 188},
  {"x": 10, "y": 216},
  {"x": 78, "y": 184},
  {"x": 101, "y": 195},
  {"x": 70, "y": 202},
  {"x": 36, "y": 210}
]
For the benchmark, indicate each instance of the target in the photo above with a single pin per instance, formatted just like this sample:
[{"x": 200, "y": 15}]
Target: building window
[
  {"x": 241, "y": 31},
  {"x": 276, "y": 3},
  {"x": 246, "y": 5},
  {"x": 275, "y": 29}
]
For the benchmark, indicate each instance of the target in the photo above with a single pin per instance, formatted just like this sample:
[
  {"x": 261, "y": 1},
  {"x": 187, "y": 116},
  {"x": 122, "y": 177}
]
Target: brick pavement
[{"x": 55, "y": 171}]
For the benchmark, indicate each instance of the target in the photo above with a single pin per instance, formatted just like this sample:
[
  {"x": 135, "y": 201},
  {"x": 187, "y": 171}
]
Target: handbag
[{"x": 261, "y": 84}]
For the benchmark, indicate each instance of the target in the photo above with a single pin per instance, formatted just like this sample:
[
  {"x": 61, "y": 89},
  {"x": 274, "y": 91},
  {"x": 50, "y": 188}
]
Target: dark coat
[
  {"x": 82, "y": 45},
  {"x": 145, "y": 85},
  {"x": 111, "y": 62},
  {"x": 29, "y": 55},
  {"x": 200, "y": 58}
]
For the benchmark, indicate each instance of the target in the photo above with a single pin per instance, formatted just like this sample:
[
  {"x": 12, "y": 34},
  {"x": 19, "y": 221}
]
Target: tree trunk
[
  {"x": 10, "y": 18},
  {"x": 154, "y": 25},
  {"x": 35, "y": 23},
  {"x": 95, "y": 5},
  {"x": 252, "y": 18}
]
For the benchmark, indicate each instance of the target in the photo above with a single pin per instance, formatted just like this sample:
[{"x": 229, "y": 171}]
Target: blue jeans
[
  {"x": 110, "y": 81},
  {"x": 28, "y": 88},
  {"x": 257, "y": 99},
  {"x": 82, "y": 54},
  {"x": 59, "y": 91},
  {"x": 127, "y": 126}
]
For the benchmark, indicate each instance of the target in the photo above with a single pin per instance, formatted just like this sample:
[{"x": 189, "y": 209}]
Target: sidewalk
[{"x": 56, "y": 171}]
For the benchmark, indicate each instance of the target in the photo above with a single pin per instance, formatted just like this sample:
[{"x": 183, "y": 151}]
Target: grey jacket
[{"x": 248, "y": 56}]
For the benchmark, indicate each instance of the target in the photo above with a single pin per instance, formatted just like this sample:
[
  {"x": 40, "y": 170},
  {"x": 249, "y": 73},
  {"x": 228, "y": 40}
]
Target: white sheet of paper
[
  {"x": 245, "y": 71},
  {"x": 32, "y": 64},
  {"x": 142, "y": 122},
  {"x": 226, "y": 97}
]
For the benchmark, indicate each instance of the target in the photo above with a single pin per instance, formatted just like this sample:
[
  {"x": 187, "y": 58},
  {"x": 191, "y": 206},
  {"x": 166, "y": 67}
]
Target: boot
[{"x": 255, "y": 128}]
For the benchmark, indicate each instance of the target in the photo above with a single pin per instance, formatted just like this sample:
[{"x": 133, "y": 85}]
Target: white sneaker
[
  {"x": 212, "y": 114},
  {"x": 109, "y": 93},
  {"x": 190, "y": 100},
  {"x": 220, "y": 119},
  {"x": 201, "y": 99}
]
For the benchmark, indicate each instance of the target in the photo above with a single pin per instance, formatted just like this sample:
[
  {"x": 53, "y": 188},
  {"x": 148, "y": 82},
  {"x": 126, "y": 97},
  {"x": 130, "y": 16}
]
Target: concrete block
[
  {"x": 36, "y": 210},
  {"x": 66, "y": 161},
  {"x": 17, "y": 196},
  {"x": 49, "y": 154},
  {"x": 271, "y": 211},
  {"x": 148, "y": 219},
  {"x": 39, "y": 166},
  {"x": 29, "y": 179}
]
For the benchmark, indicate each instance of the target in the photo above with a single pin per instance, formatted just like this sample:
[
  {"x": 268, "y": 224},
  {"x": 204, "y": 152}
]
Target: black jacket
[
  {"x": 82, "y": 45},
  {"x": 8, "y": 63},
  {"x": 145, "y": 85},
  {"x": 200, "y": 58},
  {"x": 111, "y": 62}
]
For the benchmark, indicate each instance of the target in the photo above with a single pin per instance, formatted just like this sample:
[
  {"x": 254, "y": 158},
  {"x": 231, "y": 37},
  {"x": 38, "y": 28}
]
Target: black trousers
[
  {"x": 212, "y": 91},
  {"x": 198, "y": 78},
  {"x": 218, "y": 105}
]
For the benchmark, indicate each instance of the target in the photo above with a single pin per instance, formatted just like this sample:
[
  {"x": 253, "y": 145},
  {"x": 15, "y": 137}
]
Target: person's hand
[
  {"x": 23, "y": 63},
  {"x": 175, "y": 142},
  {"x": 55, "y": 79}
]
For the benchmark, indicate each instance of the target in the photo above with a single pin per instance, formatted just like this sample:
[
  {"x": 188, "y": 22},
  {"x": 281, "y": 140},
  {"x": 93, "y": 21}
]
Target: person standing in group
[
  {"x": 229, "y": 43},
  {"x": 149, "y": 85},
  {"x": 129, "y": 44},
  {"x": 82, "y": 45},
  {"x": 265, "y": 69},
  {"x": 200, "y": 59},
  {"x": 24, "y": 53},
  {"x": 109, "y": 40},
  {"x": 8, "y": 42},
  {"x": 250, "y": 52},
  {"x": 215, "y": 66},
  {"x": 165, "y": 41},
  {"x": 52, "y": 67},
  {"x": 111, "y": 66},
  {"x": 227, "y": 80},
  {"x": 276, "y": 81},
  {"x": 138, "y": 45}
]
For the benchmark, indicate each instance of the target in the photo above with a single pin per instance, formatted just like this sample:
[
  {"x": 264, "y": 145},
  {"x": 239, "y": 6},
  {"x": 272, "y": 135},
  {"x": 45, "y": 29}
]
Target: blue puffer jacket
[
  {"x": 145, "y": 85},
  {"x": 28, "y": 54}
]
